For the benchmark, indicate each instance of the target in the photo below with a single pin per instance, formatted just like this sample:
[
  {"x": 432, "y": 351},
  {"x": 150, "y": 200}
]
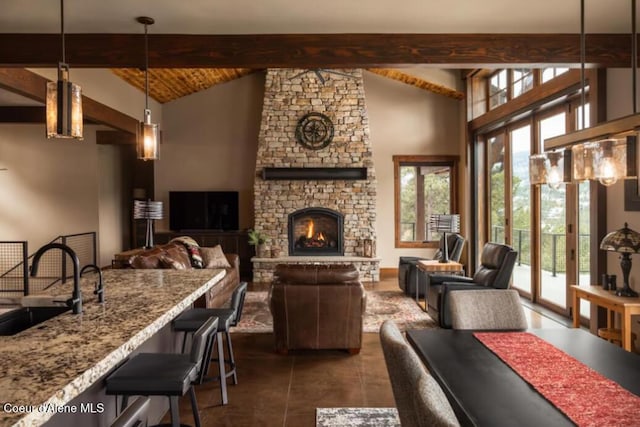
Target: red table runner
[{"x": 582, "y": 394}]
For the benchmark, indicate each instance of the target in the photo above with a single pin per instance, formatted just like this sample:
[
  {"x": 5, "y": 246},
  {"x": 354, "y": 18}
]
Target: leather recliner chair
[
  {"x": 408, "y": 265},
  {"x": 496, "y": 267},
  {"x": 317, "y": 307}
]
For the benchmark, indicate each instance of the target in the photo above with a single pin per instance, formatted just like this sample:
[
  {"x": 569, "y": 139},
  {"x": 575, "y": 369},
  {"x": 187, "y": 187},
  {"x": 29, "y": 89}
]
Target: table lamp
[
  {"x": 625, "y": 241},
  {"x": 146, "y": 209},
  {"x": 444, "y": 223}
]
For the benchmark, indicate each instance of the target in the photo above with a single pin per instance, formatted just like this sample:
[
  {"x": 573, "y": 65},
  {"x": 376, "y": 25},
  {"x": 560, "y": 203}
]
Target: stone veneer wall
[{"x": 286, "y": 100}]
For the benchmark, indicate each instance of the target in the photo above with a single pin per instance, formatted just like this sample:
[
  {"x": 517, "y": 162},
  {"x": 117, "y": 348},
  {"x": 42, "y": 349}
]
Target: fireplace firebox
[{"x": 316, "y": 231}]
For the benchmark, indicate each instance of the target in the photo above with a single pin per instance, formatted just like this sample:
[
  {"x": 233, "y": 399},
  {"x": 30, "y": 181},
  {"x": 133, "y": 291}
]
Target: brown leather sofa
[
  {"x": 175, "y": 256},
  {"x": 317, "y": 307}
]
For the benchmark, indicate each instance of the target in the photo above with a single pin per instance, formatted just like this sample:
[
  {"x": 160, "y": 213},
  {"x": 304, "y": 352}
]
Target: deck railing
[
  {"x": 55, "y": 266},
  {"x": 553, "y": 252}
]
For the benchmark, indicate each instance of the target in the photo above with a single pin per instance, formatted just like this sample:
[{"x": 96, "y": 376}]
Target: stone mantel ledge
[
  {"x": 263, "y": 268},
  {"x": 315, "y": 259},
  {"x": 59, "y": 359}
]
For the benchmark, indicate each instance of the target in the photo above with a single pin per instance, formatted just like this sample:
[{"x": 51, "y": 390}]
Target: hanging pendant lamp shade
[
  {"x": 148, "y": 138},
  {"x": 550, "y": 168},
  {"x": 584, "y": 161},
  {"x": 63, "y": 99},
  {"x": 611, "y": 161}
]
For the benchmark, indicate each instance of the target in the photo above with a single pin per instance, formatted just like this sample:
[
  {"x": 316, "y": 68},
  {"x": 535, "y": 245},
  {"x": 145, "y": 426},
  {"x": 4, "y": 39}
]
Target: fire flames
[{"x": 313, "y": 238}]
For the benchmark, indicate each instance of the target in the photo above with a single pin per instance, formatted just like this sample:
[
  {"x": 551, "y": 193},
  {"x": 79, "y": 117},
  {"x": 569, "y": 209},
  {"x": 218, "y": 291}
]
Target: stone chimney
[{"x": 289, "y": 95}]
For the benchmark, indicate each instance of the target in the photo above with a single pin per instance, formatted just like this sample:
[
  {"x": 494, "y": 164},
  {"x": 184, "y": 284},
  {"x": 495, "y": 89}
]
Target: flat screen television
[{"x": 203, "y": 210}]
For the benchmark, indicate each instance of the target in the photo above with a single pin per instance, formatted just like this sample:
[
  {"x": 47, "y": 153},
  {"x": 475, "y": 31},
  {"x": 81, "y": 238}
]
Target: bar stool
[
  {"x": 135, "y": 415},
  {"x": 190, "y": 320},
  {"x": 166, "y": 374}
]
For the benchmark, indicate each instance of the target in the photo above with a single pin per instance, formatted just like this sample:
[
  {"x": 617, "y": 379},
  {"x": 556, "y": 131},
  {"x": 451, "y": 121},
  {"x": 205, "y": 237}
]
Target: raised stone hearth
[
  {"x": 289, "y": 95},
  {"x": 263, "y": 268}
]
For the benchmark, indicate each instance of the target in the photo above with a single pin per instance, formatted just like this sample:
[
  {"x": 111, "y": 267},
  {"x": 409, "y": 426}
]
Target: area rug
[
  {"x": 381, "y": 306},
  {"x": 357, "y": 417}
]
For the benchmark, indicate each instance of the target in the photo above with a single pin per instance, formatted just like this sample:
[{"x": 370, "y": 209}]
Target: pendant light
[
  {"x": 552, "y": 168},
  {"x": 148, "y": 141},
  {"x": 63, "y": 99},
  {"x": 617, "y": 127}
]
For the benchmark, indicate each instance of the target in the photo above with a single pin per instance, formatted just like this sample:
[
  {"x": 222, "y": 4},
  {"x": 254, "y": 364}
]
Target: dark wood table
[{"x": 484, "y": 391}]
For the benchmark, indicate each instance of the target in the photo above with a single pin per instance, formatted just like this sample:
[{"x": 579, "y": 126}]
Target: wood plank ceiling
[{"x": 168, "y": 84}]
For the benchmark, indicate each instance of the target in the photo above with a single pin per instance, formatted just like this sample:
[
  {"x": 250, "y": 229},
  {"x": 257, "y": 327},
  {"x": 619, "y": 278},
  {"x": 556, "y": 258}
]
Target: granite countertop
[{"x": 58, "y": 359}]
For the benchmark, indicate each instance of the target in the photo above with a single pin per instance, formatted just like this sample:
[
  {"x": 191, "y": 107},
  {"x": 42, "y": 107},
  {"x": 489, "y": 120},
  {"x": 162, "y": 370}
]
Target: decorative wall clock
[{"x": 314, "y": 131}]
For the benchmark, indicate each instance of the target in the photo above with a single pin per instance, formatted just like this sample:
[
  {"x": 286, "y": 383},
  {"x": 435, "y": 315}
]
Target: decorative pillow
[
  {"x": 193, "y": 249},
  {"x": 214, "y": 257},
  {"x": 186, "y": 240}
]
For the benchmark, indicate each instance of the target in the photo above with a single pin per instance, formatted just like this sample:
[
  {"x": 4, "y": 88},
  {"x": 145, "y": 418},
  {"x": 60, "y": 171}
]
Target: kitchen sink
[{"x": 19, "y": 319}]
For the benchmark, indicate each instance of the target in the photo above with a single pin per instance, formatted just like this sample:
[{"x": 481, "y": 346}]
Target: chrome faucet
[
  {"x": 76, "y": 297},
  {"x": 99, "y": 289}
]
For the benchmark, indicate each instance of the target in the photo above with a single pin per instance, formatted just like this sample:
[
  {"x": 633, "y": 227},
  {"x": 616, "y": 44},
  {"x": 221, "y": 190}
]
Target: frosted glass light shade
[
  {"x": 555, "y": 171},
  {"x": 64, "y": 107},
  {"x": 584, "y": 161},
  {"x": 549, "y": 168},
  {"x": 611, "y": 161},
  {"x": 148, "y": 141},
  {"x": 538, "y": 168}
]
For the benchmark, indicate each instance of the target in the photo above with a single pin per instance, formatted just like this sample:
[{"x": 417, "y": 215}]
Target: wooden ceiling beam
[
  {"x": 114, "y": 137},
  {"x": 314, "y": 50},
  {"x": 33, "y": 86},
  {"x": 22, "y": 114}
]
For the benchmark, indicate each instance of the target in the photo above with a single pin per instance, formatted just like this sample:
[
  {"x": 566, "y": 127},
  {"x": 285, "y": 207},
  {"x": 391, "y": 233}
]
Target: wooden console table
[
  {"x": 429, "y": 266},
  {"x": 626, "y": 306}
]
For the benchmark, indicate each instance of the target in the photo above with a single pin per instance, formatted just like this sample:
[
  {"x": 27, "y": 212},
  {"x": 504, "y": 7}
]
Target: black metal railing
[
  {"x": 15, "y": 271},
  {"x": 553, "y": 253},
  {"x": 55, "y": 266},
  {"x": 409, "y": 229}
]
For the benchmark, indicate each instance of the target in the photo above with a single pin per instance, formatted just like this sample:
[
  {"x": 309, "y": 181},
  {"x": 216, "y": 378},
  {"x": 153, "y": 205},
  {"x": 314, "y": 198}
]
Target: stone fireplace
[
  {"x": 338, "y": 177},
  {"x": 316, "y": 231}
]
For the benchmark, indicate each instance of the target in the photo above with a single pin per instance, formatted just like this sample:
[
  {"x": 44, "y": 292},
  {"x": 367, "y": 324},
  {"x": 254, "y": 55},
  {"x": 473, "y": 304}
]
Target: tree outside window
[{"x": 424, "y": 186}]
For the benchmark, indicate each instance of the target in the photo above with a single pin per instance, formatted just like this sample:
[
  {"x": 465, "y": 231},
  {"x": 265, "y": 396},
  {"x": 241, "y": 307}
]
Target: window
[
  {"x": 498, "y": 89},
  {"x": 551, "y": 73},
  {"x": 424, "y": 185},
  {"x": 522, "y": 81}
]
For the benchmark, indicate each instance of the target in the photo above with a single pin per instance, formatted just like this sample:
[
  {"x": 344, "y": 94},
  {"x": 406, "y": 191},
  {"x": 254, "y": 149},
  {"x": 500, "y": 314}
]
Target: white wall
[
  {"x": 405, "y": 120},
  {"x": 619, "y": 104},
  {"x": 56, "y": 187},
  {"x": 210, "y": 142},
  {"x": 50, "y": 187}
]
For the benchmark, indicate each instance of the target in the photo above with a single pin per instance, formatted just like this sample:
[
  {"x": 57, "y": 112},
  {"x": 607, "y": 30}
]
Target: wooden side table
[
  {"x": 430, "y": 266},
  {"x": 626, "y": 306}
]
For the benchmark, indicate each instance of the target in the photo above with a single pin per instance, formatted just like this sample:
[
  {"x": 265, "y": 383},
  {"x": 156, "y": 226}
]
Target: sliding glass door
[
  {"x": 520, "y": 145},
  {"x": 509, "y": 196},
  {"x": 553, "y": 201},
  {"x": 496, "y": 196}
]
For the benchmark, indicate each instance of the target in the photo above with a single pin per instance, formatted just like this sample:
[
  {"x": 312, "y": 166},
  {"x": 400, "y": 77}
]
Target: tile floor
[{"x": 276, "y": 390}]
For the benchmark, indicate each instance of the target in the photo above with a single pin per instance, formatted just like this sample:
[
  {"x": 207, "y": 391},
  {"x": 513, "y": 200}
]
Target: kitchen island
[{"x": 44, "y": 368}]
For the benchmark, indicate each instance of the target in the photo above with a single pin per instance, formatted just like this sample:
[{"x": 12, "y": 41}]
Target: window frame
[
  {"x": 506, "y": 90},
  {"x": 423, "y": 160}
]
